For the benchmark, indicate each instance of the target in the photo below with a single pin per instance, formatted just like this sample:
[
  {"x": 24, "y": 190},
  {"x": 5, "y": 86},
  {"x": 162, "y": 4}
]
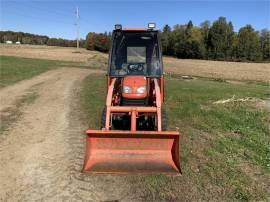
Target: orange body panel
[
  {"x": 134, "y": 82},
  {"x": 133, "y": 110},
  {"x": 139, "y": 152}
]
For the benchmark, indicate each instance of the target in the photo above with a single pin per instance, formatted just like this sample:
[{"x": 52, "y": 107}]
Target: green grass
[
  {"x": 14, "y": 69},
  {"x": 93, "y": 99},
  {"x": 219, "y": 141},
  {"x": 246, "y": 128}
]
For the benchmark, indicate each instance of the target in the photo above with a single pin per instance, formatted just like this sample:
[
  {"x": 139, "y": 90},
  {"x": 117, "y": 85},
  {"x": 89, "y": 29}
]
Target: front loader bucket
[{"x": 126, "y": 152}]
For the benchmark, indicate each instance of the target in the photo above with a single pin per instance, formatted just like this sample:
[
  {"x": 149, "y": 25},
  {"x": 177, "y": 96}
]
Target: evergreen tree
[
  {"x": 205, "y": 27},
  {"x": 265, "y": 44},
  {"x": 179, "y": 41},
  {"x": 166, "y": 40},
  {"x": 248, "y": 44},
  {"x": 220, "y": 36}
]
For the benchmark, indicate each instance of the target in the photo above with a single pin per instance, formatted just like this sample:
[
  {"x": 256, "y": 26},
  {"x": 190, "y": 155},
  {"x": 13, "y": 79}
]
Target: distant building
[
  {"x": 9, "y": 42},
  {"x": 18, "y": 42}
]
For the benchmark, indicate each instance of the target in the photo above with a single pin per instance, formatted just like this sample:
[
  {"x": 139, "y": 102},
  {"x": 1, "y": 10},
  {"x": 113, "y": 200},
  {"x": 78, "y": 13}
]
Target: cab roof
[{"x": 135, "y": 29}]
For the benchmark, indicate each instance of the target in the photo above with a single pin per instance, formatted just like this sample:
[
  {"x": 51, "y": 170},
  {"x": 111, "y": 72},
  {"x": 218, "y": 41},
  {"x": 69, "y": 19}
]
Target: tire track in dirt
[
  {"x": 42, "y": 154},
  {"x": 9, "y": 94}
]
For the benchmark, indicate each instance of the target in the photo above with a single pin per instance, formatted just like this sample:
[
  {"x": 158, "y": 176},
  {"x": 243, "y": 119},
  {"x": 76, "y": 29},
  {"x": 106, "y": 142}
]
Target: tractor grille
[{"x": 134, "y": 102}]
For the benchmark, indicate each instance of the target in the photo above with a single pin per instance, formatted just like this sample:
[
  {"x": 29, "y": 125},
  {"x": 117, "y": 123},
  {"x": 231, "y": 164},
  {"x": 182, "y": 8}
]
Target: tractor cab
[
  {"x": 135, "y": 52},
  {"x": 135, "y": 57}
]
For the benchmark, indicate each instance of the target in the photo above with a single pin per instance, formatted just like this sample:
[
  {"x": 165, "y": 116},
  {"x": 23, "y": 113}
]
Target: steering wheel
[{"x": 136, "y": 67}]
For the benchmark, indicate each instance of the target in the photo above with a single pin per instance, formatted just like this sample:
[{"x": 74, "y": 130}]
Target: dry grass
[
  {"x": 201, "y": 68},
  {"x": 91, "y": 58},
  {"x": 219, "y": 69},
  {"x": 49, "y": 52}
]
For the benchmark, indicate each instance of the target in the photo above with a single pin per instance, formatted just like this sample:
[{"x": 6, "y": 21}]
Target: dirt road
[{"x": 42, "y": 154}]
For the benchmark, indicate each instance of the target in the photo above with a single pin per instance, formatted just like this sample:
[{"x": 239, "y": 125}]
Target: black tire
[
  {"x": 103, "y": 118},
  {"x": 163, "y": 119}
]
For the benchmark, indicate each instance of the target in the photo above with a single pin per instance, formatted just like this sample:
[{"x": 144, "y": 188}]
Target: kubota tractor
[{"x": 133, "y": 138}]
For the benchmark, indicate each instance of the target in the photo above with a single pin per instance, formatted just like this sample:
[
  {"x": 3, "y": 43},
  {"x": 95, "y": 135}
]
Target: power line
[
  {"x": 34, "y": 17},
  {"x": 61, "y": 12},
  {"x": 58, "y": 12},
  {"x": 33, "y": 9}
]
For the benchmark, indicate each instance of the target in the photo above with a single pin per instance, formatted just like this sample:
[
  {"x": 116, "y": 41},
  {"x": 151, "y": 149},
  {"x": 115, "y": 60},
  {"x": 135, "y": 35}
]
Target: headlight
[
  {"x": 141, "y": 89},
  {"x": 126, "y": 89}
]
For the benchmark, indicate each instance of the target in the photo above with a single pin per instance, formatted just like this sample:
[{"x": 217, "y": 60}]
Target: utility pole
[{"x": 78, "y": 27}]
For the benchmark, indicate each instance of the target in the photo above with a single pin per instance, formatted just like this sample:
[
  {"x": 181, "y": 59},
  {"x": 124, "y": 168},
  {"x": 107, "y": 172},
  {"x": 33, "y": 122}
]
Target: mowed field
[
  {"x": 201, "y": 68},
  {"x": 50, "y": 95}
]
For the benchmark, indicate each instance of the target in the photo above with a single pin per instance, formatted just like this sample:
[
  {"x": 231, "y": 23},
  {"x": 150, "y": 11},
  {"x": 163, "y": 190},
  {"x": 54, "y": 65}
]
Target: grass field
[
  {"x": 225, "y": 147},
  {"x": 14, "y": 69},
  {"x": 89, "y": 58},
  {"x": 200, "y": 68}
]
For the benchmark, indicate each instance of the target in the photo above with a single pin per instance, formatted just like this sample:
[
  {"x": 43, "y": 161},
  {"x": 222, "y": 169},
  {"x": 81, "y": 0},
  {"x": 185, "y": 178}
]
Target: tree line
[
  {"x": 98, "y": 41},
  {"x": 34, "y": 39},
  {"x": 211, "y": 41},
  {"x": 216, "y": 41}
]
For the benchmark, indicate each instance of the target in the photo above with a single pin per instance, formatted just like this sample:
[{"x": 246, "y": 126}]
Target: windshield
[{"x": 135, "y": 53}]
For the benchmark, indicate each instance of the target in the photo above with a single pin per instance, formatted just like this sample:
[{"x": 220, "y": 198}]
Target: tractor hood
[{"x": 134, "y": 87}]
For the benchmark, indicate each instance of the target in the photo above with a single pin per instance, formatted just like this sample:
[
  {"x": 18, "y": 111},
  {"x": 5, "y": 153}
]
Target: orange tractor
[{"x": 133, "y": 138}]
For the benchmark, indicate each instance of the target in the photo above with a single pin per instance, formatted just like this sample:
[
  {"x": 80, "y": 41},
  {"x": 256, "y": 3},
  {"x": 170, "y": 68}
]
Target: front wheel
[
  {"x": 103, "y": 118},
  {"x": 163, "y": 119}
]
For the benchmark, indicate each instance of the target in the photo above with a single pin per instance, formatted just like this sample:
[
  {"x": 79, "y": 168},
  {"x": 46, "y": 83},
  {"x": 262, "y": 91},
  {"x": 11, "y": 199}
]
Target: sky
[{"x": 57, "y": 18}]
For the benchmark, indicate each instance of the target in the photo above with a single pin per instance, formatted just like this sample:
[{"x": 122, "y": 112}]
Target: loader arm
[
  {"x": 133, "y": 110},
  {"x": 133, "y": 138},
  {"x": 133, "y": 152}
]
